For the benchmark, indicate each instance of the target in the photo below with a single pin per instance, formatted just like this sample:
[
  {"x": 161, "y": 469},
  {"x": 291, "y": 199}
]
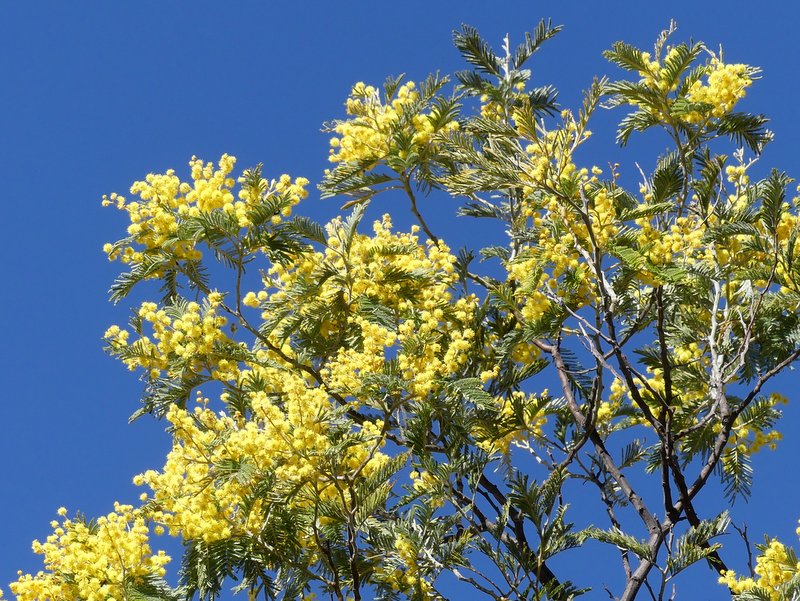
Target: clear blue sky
[{"x": 96, "y": 94}]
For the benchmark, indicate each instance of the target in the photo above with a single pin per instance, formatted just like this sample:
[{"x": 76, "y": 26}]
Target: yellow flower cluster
[
  {"x": 748, "y": 439},
  {"x": 253, "y": 194},
  {"x": 603, "y": 218},
  {"x": 409, "y": 579},
  {"x": 525, "y": 353},
  {"x": 164, "y": 202},
  {"x": 370, "y": 135},
  {"x": 518, "y": 427},
  {"x": 679, "y": 243},
  {"x": 184, "y": 338},
  {"x": 286, "y": 435},
  {"x": 494, "y": 110},
  {"x": 690, "y": 353},
  {"x": 787, "y": 225},
  {"x": 526, "y": 271},
  {"x": 654, "y": 75},
  {"x": 726, "y": 85},
  {"x": 599, "y": 211},
  {"x": 652, "y": 391},
  {"x": 539, "y": 273},
  {"x": 773, "y": 569},
  {"x": 424, "y": 482},
  {"x": 430, "y": 335},
  {"x": 432, "y": 347},
  {"x": 549, "y": 155},
  {"x": 162, "y": 199},
  {"x": 346, "y": 372},
  {"x": 787, "y": 229},
  {"x": 607, "y": 410},
  {"x": 93, "y": 562}
]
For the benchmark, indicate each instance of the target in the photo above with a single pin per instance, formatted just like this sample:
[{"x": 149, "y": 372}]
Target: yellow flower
[
  {"x": 93, "y": 563},
  {"x": 726, "y": 85}
]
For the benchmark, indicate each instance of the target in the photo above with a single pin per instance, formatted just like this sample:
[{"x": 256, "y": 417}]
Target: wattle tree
[{"x": 359, "y": 412}]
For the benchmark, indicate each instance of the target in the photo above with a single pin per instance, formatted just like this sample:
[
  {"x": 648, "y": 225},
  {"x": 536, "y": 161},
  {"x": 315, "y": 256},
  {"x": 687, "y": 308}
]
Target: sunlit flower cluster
[
  {"x": 162, "y": 200},
  {"x": 519, "y": 420},
  {"x": 185, "y": 337},
  {"x": 747, "y": 438},
  {"x": 197, "y": 494},
  {"x": 430, "y": 336},
  {"x": 93, "y": 561},
  {"x": 409, "y": 579},
  {"x": 372, "y": 132},
  {"x": 773, "y": 568},
  {"x": 607, "y": 410},
  {"x": 678, "y": 243},
  {"x": 726, "y": 84},
  {"x": 549, "y": 154},
  {"x": 655, "y": 75},
  {"x": 164, "y": 204}
]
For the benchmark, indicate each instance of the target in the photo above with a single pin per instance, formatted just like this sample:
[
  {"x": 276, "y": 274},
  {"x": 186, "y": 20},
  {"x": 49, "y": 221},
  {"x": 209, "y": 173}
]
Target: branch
[
  {"x": 608, "y": 462},
  {"x": 415, "y": 210},
  {"x": 544, "y": 574}
]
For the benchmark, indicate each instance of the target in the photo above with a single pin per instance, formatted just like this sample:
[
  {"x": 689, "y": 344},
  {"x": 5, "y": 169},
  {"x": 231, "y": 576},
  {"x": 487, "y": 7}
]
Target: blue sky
[{"x": 96, "y": 94}]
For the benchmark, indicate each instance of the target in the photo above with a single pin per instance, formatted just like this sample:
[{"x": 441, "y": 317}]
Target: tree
[{"x": 364, "y": 416}]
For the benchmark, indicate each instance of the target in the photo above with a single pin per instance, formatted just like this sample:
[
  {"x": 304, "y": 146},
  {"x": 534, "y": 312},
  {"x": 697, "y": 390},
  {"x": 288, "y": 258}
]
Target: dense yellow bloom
[
  {"x": 371, "y": 133},
  {"x": 772, "y": 569},
  {"x": 162, "y": 199},
  {"x": 607, "y": 410},
  {"x": 678, "y": 244},
  {"x": 410, "y": 580},
  {"x": 165, "y": 203},
  {"x": 185, "y": 338},
  {"x": 654, "y": 75},
  {"x": 726, "y": 85},
  {"x": 287, "y": 435},
  {"x": 93, "y": 562},
  {"x": 430, "y": 337}
]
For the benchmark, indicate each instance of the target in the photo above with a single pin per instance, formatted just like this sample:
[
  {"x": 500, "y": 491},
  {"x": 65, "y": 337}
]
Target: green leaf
[
  {"x": 472, "y": 390},
  {"x": 667, "y": 179},
  {"x": 620, "y": 540},
  {"x": 636, "y": 121},
  {"x": 626, "y": 56},
  {"x": 543, "y": 101},
  {"x": 746, "y": 129},
  {"x": 736, "y": 473},
  {"x": 473, "y": 82},
  {"x": 476, "y": 51},
  {"x": 543, "y": 32},
  {"x": 679, "y": 60},
  {"x": 307, "y": 228},
  {"x": 773, "y": 195},
  {"x": 152, "y": 589}
]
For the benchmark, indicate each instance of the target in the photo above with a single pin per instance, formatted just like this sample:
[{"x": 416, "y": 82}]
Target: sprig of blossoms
[
  {"x": 287, "y": 435},
  {"x": 165, "y": 206},
  {"x": 93, "y": 561},
  {"x": 431, "y": 332},
  {"x": 372, "y": 132},
  {"x": 774, "y": 568},
  {"x": 725, "y": 85},
  {"x": 186, "y": 338}
]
